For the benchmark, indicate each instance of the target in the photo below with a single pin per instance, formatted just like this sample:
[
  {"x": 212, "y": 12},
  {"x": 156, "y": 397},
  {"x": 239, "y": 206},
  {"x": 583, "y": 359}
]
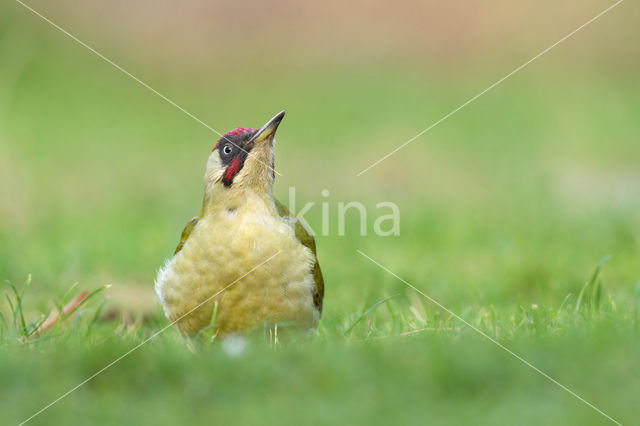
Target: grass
[
  {"x": 508, "y": 212},
  {"x": 400, "y": 361}
]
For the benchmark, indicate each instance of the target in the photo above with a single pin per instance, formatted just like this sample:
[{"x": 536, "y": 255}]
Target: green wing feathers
[
  {"x": 185, "y": 233},
  {"x": 307, "y": 240}
]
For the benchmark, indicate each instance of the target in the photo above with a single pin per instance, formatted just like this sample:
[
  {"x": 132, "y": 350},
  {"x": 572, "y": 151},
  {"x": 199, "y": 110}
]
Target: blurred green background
[{"x": 506, "y": 207}]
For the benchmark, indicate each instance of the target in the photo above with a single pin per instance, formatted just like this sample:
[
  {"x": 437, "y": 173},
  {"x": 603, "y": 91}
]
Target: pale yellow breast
[{"x": 223, "y": 247}]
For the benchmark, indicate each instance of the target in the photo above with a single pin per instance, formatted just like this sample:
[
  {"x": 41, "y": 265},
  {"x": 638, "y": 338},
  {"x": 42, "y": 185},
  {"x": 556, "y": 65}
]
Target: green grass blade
[
  {"x": 96, "y": 316},
  {"x": 212, "y": 322},
  {"x": 85, "y": 301},
  {"x": 587, "y": 298},
  {"x": 368, "y": 311}
]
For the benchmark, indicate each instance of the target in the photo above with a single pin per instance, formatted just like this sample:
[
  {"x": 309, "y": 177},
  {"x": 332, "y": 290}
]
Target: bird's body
[{"x": 246, "y": 254}]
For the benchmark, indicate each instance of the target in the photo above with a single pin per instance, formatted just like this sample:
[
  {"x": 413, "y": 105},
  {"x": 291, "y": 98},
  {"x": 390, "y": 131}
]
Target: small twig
[{"x": 54, "y": 317}]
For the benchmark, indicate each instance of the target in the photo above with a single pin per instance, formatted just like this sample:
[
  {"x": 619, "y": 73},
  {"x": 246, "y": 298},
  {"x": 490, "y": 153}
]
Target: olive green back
[{"x": 307, "y": 240}]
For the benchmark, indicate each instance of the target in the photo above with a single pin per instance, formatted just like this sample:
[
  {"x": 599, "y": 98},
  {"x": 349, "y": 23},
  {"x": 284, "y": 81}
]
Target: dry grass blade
[{"x": 67, "y": 310}]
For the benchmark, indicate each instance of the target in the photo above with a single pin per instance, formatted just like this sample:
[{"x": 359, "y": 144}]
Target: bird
[{"x": 245, "y": 261}]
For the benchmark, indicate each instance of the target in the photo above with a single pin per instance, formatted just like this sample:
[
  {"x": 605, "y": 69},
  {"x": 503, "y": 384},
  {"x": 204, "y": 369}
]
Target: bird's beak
[{"x": 267, "y": 131}]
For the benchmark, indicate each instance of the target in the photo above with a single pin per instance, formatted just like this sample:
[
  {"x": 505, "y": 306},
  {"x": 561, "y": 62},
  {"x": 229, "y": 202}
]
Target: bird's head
[{"x": 242, "y": 159}]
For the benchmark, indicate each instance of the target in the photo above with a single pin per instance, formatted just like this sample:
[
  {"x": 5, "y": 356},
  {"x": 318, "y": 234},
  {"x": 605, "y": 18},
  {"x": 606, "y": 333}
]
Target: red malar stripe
[{"x": 232, "y": 169}]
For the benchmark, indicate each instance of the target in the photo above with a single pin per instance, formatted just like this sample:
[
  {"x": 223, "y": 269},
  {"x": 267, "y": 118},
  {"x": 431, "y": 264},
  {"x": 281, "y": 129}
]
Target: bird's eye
[{"x": 227, "y": 149}]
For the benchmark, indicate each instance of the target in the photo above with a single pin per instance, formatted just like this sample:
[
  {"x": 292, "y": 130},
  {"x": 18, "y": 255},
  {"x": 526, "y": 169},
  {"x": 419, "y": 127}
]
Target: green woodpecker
[{"x": 241, "y": 225}]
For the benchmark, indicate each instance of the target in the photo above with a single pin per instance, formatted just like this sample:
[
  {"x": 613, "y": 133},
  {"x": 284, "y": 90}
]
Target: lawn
[{"x": 519, "y": 215}]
